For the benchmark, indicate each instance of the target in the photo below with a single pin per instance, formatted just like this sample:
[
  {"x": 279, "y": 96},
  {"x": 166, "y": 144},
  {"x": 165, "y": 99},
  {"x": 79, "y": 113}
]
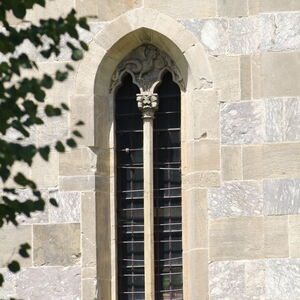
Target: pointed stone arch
[{"x": 94, "y": 104}]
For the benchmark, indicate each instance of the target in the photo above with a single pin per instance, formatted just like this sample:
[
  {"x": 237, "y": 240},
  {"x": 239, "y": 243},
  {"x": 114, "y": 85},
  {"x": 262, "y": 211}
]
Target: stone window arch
[{"x": 94, "y": 104}]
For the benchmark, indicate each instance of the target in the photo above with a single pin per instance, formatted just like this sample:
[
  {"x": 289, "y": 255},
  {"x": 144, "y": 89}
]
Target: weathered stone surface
[
  {"x": 8, "y": 289},
  {"x": 246, "y": 77},
  {"x": 282, "y": 279},
  {"x": 197, "y": 221},
  {"x": 294, "y": 235},
  {"x": 276, "y": 237},
  {"x": 239, "y": 198},
  {"x": 237, "y": 280},
  {"x": 88, "y": 238},
  {"x": 89, "y": 289},
  {"x": 49, "y": 283},
  {"x": 12, "y": 237},
  {"x": 182, "y": 9},
  {"x": 231, "y": 163},
  {"x": 232, "y": 8},
  {"x": 68, "y": 209},
  {"x": 226, "y": 72},
  {"x": 271, "y": 161},
  {"x": 45, "y": 173},
  {"x": 284, "y": 68},
  {"x": 281, "y": 196},
  {"x": 242, "y": 123},
  {"x": 87, "y": 8},
  {"x": 274, "y": 120},
  {"x": 292, "y": 119},
  {"x": 236, "y": 238},
  {"x": 77, "y": 183},
  {"x": 202, "y": 179},
  {"x": 36, "y": 217},
  {"x": 56, "y": 245},
  {"x": 204, "y": 155},
  {"x": 108, "y": 10},
  {"x": 80, "y": 161},
  {"x": 256, "y": 6},
  {"x": 197, "y": 267}
]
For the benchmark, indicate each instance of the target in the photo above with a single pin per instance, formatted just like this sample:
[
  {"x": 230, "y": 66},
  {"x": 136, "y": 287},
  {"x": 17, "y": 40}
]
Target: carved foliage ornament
[
  {"x": 148, "y": 104},
  {"x": 146, "y": 65}
]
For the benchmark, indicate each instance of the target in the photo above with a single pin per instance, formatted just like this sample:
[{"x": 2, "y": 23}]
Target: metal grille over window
[
  {"x": 167, "y": 192},
  {"x": 129, "y": 145}
]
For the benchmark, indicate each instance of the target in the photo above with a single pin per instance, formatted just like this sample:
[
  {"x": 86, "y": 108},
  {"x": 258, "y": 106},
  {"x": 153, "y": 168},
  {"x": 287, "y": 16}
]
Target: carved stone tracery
[{"x": 146, "y": 65}]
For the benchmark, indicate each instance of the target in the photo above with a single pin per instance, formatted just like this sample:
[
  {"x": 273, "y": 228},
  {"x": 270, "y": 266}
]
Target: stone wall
[{"x": 242, "y": 203}]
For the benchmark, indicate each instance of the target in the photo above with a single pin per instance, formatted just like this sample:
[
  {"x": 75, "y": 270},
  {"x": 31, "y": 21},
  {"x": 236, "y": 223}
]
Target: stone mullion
[{"x": 148, "y": 104}]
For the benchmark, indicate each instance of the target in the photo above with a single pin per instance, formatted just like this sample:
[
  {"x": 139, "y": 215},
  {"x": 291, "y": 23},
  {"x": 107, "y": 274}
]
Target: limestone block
[
  {"x": 242, "y": 123},
  {"x": 283, "y": 279},
  {"x": 88, "y": 228},
  {"x": 232, "y": 8},
  {"x": 245, "y": 77},
  {"x": 182, "y": 9},
  {"x": 236, "y": 238},
  {"x": 197, "y": 281},
  {"x": 285, "y": 77},
  {"x": 238, "y": 198},
  {"x": 56, "y": 245},
  {"x": 45, "y": 173},
  {"x": 231, "y": 163},
  {"x": 281, "y": 196},
  {"x": 109, "y": 9},
  {"x": 87, "y": 8},
  {"x": 8, "y": 289},
  {"x": 204, "y": 109},
  {"x": 246, "y": 35},
  {"x": 212, "y": 33},
  {"x": 276, "y": 237},
  {"x": 36, "y": 217},
  {"x": 294, "y": 235},
  {"x": 226, "y": 73},
  {"x": 89, "y": 272},
  {"x": 68, "y": 209},
  {"x": 204, "y": 155},
  {"x": 53, "y": 9},
  {"x": 80, "y": 161},
  {"x": 49, "y": 283},
  {"x": 237, "y": 279},
  {"x": 271, "y": 161},
  {"x": 292, "y": 119},
  {"x": 12, "y": 237},
  {"x": 89, "y": 289},
  {"x": 197, "y": 223},
  {"x": 274, "y": 120},
  {"x": 77, "y": 183},
  {"x": 201, "y": 179},
  {"x": 256, "y": 6}
]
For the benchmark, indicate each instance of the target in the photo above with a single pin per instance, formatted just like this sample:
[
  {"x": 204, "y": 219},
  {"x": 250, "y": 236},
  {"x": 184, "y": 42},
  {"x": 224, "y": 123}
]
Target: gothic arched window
[{"x": 148, "y": 185}]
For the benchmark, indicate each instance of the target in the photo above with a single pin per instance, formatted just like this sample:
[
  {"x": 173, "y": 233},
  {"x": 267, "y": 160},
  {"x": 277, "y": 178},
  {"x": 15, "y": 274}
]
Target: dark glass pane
[
  {"x": 130, "y": 220},
  {"x": 167, "y": 192}
]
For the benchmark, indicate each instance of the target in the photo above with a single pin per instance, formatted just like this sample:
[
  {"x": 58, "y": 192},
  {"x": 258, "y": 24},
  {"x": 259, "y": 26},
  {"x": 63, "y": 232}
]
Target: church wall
[{"x": 242, "y": 164}]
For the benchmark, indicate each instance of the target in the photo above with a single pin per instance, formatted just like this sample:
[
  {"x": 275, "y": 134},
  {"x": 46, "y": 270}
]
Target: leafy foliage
[{"x": 22, "y": 102}]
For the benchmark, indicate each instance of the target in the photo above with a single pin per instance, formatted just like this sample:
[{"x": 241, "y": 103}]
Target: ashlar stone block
[
  {"x": 284, "y": 68},
  {"x": 294, "y": 235},
  {"x": 292, "y": 119},
  {"x": 231, "y": 163},
  {"x": 236, "y": 238},
  {"x": 232, "y": 8},
  {"x": 49, "y": 283},
  {"x": 11, "y": 238},
  {"x": 56, "y": 245},
  {"x": 238, "y": 198}
]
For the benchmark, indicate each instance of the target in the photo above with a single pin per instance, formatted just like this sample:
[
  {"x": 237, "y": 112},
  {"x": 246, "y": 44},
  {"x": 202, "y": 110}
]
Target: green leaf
[
  {"x": 79, "y": 123},
  {"x": 71, "y": 143},
  {"x": 84, "y": 46},
  {"x": 52, "y": 111},
  {"x": 47, "y": 82},
  {"x": 77, "y": 133},
  {"x": 77, "y": 54},
  {"x": 23, "y": 250},
  {"x": 44, "y": 152},
  {"x": 19, "y": 10},
  {"x": 59, "y": 146},
  {"x": 65, "y": 106},
  {"x": 61, "y": 76},
  {"x": 1, "y": 279},
  {"x": 69, "y": 67},
  {"x": 14, "y": 266},
  {"x": 53, "y": 202}
]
